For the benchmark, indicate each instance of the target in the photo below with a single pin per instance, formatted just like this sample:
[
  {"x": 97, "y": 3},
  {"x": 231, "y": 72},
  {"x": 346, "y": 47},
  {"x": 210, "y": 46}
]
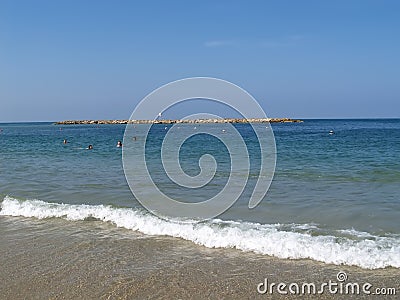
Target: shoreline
[
  {"x": 185, "y": 121},
  {"x": 95, "y": 260}
]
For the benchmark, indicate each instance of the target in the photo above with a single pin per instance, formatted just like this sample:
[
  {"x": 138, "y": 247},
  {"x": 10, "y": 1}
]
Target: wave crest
[{"x": 371, "y": 252}]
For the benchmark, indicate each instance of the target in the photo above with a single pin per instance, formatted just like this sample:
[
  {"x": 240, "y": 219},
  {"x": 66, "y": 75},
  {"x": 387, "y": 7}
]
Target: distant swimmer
[
  {"x": 119, "y": 144},
  {"x": 65, "y": 142},
  {"x": 90, "y": 147},
  {"x": 134, "y": 138}
]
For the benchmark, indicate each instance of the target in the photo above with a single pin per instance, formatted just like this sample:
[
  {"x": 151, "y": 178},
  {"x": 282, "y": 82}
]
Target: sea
[{"x": 334, "y": 197}]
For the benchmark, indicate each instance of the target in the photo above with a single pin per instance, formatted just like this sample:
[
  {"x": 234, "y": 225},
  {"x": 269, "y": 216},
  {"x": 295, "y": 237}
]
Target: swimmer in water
[
  {"x": 90, "y": 147},
  {"x": 65, "y": 141},
  {"x": 119, "y": 144}
]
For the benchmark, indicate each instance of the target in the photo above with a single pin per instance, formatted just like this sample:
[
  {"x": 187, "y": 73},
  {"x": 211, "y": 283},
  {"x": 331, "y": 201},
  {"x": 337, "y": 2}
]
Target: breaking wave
[{"x": 354, "y": 248}]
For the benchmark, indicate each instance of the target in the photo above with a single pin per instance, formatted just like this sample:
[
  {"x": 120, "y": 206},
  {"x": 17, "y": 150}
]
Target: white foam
[{"x": 371, "y": 253}]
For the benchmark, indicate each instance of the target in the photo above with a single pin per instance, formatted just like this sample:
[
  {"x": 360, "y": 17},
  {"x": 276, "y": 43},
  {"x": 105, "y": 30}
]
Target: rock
[{"x": 197, "y": 121}]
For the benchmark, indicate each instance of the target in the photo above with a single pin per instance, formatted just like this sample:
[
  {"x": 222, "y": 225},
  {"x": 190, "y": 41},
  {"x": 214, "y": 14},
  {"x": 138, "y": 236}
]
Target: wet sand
[{"x": 58, "y": 259}]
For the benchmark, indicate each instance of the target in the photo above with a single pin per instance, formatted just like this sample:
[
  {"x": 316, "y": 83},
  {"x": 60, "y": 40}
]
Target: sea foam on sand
[{"x": 365, "y": 250}]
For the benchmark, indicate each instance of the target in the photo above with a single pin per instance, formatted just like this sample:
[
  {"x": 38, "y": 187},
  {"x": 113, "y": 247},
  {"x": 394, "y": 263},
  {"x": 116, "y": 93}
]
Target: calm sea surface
[{"x": 334, "y": 197}]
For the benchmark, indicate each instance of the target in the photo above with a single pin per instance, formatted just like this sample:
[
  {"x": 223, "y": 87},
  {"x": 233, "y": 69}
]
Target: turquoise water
[{"x": 333, "y": 190}]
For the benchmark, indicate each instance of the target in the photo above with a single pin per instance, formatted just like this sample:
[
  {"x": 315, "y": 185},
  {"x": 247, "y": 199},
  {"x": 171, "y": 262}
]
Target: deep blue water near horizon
[{"x": 324, "y": 184}]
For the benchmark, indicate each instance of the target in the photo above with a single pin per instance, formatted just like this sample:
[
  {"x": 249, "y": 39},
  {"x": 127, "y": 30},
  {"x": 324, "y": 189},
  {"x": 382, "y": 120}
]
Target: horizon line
[{"x": 312, "y": 118}]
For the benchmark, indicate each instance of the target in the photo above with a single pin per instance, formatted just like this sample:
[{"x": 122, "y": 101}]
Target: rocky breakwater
[{"x": 188, "y": 121}]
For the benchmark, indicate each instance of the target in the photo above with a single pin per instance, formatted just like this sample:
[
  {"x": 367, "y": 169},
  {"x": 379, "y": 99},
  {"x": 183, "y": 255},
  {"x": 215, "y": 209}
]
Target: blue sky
[{"x": 97, "y": 59}]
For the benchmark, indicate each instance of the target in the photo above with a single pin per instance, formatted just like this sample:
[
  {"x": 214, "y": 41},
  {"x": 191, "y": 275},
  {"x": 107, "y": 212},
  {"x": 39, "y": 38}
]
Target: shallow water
[{"x": 59, "y": 259}]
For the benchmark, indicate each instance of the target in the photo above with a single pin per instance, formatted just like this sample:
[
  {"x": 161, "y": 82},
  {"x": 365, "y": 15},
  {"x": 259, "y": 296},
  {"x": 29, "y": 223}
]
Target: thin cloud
[{"x": 220, "y": 43}]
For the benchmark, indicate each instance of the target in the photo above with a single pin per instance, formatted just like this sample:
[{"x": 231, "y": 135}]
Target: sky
[{"x": 97, "y": 59}]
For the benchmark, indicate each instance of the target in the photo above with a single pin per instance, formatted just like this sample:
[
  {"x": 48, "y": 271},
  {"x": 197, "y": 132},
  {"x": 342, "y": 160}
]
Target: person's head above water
[
  {"x": 65, "y": 141},
  {"x": 90, "y": 147},
  {"x": 119, "y": 144}
]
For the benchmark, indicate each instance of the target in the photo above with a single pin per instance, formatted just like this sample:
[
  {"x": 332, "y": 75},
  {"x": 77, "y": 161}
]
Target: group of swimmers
[{"x": 90, "y": 147}]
